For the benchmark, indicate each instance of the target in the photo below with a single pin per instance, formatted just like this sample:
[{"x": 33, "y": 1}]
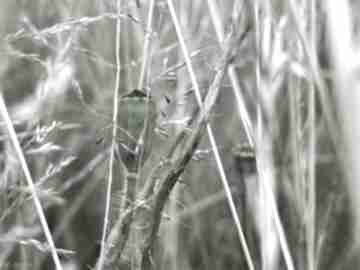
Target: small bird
[
  {"x": 137, "y": 117},
  {"x": 246, "y": 160}
]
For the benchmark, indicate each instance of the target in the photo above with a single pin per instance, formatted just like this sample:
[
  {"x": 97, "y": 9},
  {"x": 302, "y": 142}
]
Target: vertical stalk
[
  {"x": 311, "y": 209},
  {"x": 113, "y": 141}
]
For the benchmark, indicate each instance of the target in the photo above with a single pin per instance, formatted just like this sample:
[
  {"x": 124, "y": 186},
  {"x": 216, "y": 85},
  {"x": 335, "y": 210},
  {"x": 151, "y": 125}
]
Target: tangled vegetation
[{"x": 172, "y": 135}]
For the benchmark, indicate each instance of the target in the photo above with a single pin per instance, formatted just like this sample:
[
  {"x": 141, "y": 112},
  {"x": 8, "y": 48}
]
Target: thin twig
[
  {"x": 325, "y": 102},
  {"x": 240, "y": 101},
  {"x": 146, "y": 48},
  {"x": 311, "y": 223},
  {"x": 213, "y": 143},
  {"x": 263, "y": 150},
  {"x": 113, "y": 141},
  {"x": 171, "y": 175},
  {"x": 12, "y": 133}
]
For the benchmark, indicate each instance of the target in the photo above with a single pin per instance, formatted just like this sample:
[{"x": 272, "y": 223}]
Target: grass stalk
[
  {"x": 213, "y": 143},
  {"x": 113, "y": 140},
  {"x": 311, "y": 209},
  {"x": 39, "y": 209},
  {"x": 237, "y": 91}
]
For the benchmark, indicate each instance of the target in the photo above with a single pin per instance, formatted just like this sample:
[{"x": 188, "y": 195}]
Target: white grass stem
[
  {"x": 264, "y": 158},
  {"x": 146, "y": 48},
  {"x": 113, "y": 141},
  {"x": 311, "y": 209},
  {"x": 5, "y": 115},
  {"x": 278, "y": 225},
  {"x": 313, "y": 65},
  {"x": 211, "y": 136},
  {"x": 347, "y": 90},
  {"x": 241, "y": 109}
]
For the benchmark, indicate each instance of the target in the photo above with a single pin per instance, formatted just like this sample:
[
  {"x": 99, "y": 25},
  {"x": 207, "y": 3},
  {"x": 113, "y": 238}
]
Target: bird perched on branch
[{"x": 136, "y": 119}]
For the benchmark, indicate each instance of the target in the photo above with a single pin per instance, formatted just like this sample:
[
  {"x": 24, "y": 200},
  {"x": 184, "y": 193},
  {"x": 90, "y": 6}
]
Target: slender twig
[
  {"x": 142, "y": 80},
  {"x": 171, "y": 176},
  {"x": 263, "y": 149},
  {"x": 311, "y": 223},
  {"x": 12, "y": 133},
  {"x": 131, "y": 178},
  {"x": 237, "y": 91},
  {"x": 113, "y": 141},
  {"x": 66, "y": 26},
  {"x": 213, "y": 143},
  {"x": 113, "y": 253},
  {"x": 321, "y": 87},
  {"x": 343, "y": 54},
  {"x": 295, "y": 126},
  {"x": 146, "y": 45},
  {"x": 278, "y": 225},
  {"x": 80, "y": 176}
]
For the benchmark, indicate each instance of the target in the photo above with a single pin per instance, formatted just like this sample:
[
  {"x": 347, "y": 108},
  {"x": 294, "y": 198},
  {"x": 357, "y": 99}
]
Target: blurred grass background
[{"x": 297, "y": 74}]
